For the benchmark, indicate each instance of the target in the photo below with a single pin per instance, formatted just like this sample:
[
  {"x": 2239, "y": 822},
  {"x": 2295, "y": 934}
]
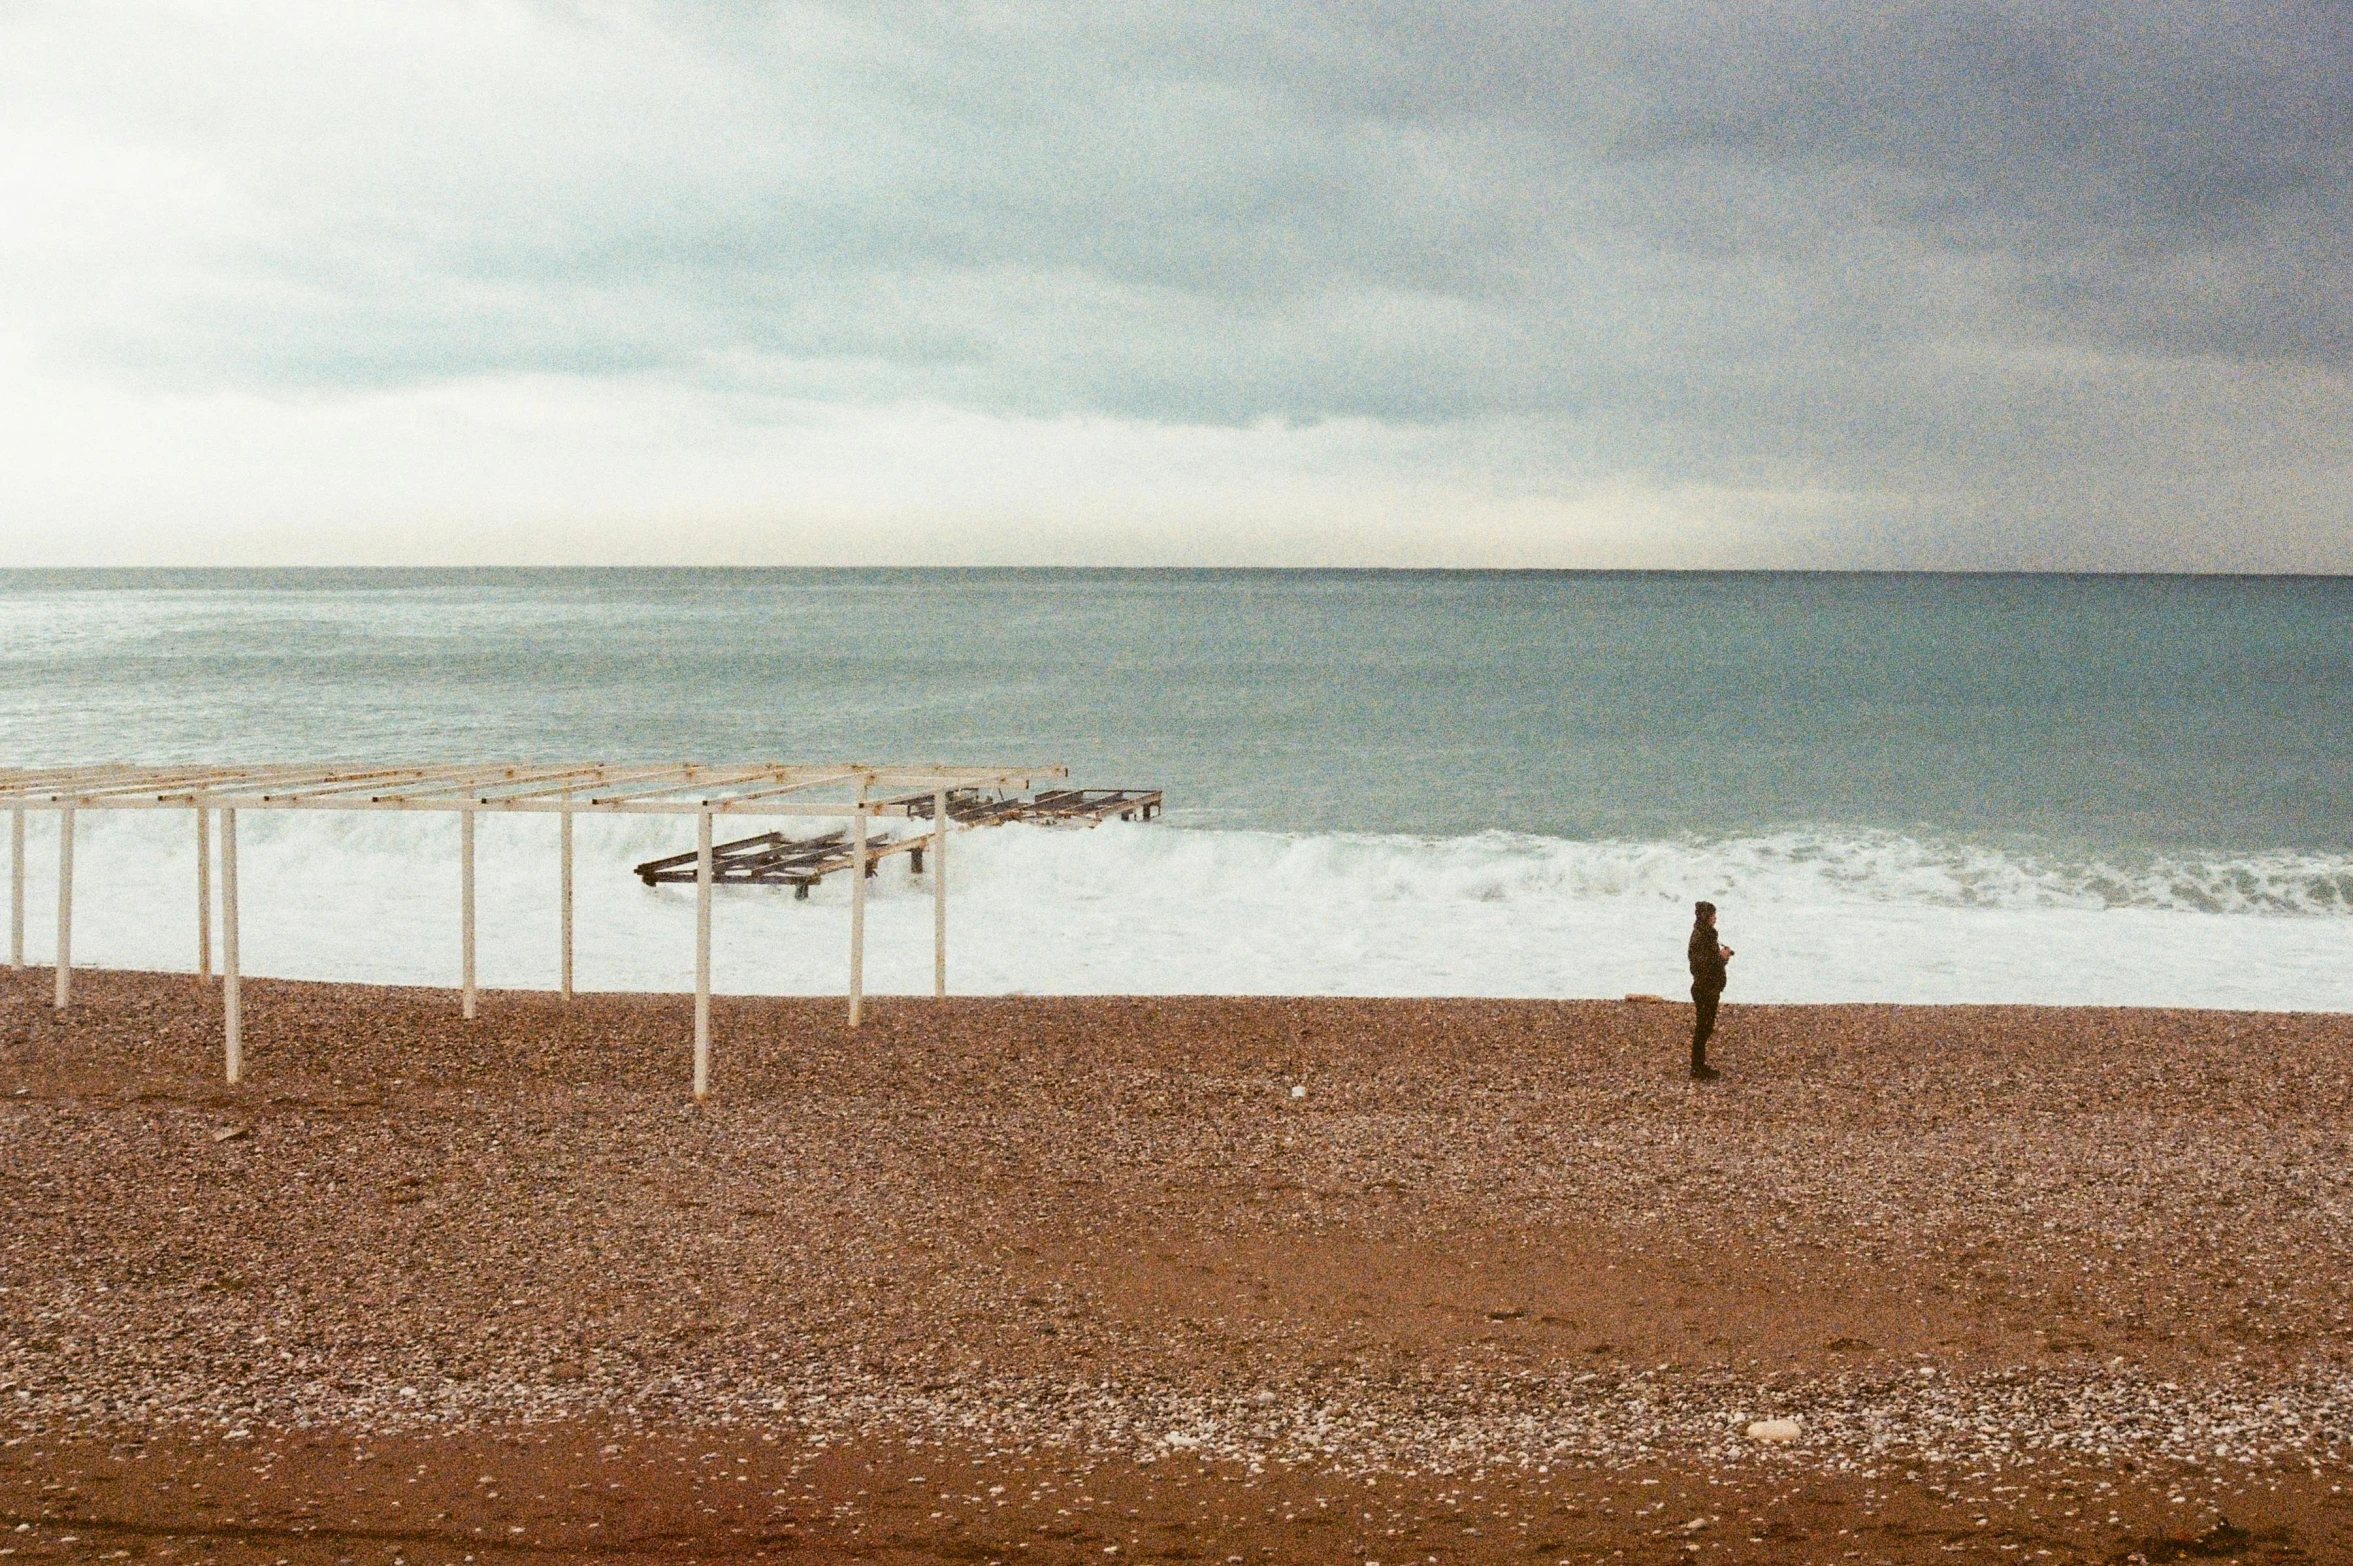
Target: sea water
[{"x": 2128, "y": 790}]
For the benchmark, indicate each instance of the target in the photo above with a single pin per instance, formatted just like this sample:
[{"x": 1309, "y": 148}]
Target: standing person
[{"x": 1708, "y": 957}]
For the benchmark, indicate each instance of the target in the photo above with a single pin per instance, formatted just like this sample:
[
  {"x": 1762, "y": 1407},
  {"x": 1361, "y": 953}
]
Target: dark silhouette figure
[{"x": 1708, "y": 957}]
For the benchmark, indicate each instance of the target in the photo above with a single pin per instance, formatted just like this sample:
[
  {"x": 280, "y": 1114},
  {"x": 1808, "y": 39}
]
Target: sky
[{"x": 1948, "y": 286}]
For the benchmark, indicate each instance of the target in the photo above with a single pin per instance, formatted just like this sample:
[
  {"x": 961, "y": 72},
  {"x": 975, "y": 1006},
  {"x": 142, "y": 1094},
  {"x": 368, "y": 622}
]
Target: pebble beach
[{"x": 1387, "y": 1280}]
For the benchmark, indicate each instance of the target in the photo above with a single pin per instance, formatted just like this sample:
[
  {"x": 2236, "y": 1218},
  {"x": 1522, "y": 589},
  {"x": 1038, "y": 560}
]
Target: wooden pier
[{"x": 773, "y": 859}]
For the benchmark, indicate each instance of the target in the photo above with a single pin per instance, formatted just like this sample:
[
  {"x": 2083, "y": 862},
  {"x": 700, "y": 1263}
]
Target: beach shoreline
[{"x": 1996, "y": 1261}]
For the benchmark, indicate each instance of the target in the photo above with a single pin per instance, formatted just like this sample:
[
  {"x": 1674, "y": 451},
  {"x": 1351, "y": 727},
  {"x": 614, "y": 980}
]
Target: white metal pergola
[{"x": 562, "y": 790}]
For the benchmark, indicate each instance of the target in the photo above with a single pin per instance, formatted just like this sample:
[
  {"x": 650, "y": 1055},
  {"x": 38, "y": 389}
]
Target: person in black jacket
[{"x": 1708, "y": 957}]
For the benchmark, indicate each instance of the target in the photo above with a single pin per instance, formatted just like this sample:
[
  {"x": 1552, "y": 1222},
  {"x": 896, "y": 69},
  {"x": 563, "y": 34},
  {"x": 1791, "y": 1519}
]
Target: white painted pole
[
  {"x": 565, "y": 834},
  {"x": 203, "y": 895},
  {"x": 939, "y": 894},
  {"x": 232, "y": 1015},
  {"x": 466, "y": 912},
  {"x": 702, "y": 955},
  {"x": 65, "y": 907},
  {"x": 858, "y": 915},
  {"x": 16, "y": 887}
]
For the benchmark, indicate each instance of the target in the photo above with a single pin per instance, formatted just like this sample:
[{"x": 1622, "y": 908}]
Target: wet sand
[{"x": 1044, "y": 1280}]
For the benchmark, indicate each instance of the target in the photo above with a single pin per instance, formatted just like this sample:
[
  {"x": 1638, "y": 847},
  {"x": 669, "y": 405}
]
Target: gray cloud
[
  {"x": 1972, "y": 252},
  {"x": 2169, "y": 180}
]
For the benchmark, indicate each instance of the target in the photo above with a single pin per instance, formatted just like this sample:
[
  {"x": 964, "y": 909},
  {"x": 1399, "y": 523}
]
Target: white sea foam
[{"x": 1819, "y": 915}]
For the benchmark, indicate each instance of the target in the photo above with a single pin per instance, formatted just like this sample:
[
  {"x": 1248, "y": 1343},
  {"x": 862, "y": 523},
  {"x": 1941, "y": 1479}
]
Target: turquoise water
[
  {"x": 2125, "y": 714},
  {"x": 1899, "y": 787}
]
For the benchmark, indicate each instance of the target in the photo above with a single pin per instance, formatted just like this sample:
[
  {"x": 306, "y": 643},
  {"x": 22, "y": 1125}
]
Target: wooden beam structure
[
  {"x": 774, "y": 859},
  {"x": 854, "y": 790},
  {"x": 670, "y": 788}
]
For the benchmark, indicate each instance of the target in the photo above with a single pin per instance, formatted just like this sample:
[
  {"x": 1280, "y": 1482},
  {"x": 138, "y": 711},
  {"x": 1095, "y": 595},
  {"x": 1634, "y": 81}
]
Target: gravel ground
[{"x": 1980, "y": 1253}]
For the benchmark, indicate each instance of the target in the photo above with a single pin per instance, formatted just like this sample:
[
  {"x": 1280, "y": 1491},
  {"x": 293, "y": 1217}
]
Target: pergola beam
[
  {"x": 645, "y": 806},
  {"x": 174, "y": 786},
  {"x": 555, "y": 782}
]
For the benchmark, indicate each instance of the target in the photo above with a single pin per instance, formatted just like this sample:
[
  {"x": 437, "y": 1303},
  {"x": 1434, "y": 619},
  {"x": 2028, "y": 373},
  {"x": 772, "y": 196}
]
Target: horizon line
[{"x": 10, "y": 572}]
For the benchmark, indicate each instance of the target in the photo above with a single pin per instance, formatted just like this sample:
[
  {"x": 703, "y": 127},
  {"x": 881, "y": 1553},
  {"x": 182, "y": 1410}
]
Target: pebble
[{"x": 939, "y": 1223}]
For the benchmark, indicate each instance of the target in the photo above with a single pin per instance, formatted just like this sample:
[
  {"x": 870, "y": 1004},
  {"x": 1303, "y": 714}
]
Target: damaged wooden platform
[
  {"x": 773, "y": 859},
  {"x": 1048, "y": 806}
]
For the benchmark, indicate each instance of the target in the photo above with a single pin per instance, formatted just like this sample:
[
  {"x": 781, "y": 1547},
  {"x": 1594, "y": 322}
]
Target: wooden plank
[
  {"x": 822, "y": 780},
  {"x": 557, "y": 783},
  {"x": 309, "y": 778},
  {"x": 480, "y": 783}
]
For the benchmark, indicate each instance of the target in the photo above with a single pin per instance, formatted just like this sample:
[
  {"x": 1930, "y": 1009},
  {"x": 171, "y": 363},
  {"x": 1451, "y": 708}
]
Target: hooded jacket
[{"x": 1707, "y": 958}]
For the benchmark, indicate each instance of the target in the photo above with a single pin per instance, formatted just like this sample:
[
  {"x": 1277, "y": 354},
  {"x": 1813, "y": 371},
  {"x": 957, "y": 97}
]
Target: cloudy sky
[{"x": 1474, "y": 284}]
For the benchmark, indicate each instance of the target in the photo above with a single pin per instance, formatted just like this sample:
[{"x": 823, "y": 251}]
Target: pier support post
[
  {"x": 564, "y": 836},
  {"x": 203, "y": 895},
  {"x": 702, "y": 955},
  {"x": 466, "y": 913},
  {"x": 939, "y": 894},
  {"x": 858, "y": 914},
  {"x": 232, "y": 1014},
  {"x": 65, "y": 907},
  {"x": 16, "y": 886}
]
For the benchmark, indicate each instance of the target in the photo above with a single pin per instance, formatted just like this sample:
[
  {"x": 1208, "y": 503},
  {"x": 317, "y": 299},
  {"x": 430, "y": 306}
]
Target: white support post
[
  {"x": 702, "y": 956},
  {"x": 232, "y": 1015},
  {"x": 858, "y": 915},
  {"x": 939, "y": 894},
  {"x": 65, "y": 907},
  {"x": 203, "y": 895},
  {"x": 564, "y": 833},
  {"x": 466, "y": 913},
  {"x": 16, "y": 887}
]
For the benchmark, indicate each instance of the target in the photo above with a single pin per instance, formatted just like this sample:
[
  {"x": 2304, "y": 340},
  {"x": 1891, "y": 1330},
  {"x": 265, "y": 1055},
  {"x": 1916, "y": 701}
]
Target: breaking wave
[
  {"x": 1817, "y": 914},
  {"x": 1797, "y": 865}
]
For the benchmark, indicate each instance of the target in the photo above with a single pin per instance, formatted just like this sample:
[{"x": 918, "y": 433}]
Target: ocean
[{"x": 2102, "y": 790}]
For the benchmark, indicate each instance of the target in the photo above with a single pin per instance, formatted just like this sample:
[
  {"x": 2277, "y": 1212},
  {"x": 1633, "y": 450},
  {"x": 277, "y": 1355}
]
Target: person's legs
[{"x": 1703, "y": 1024}]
